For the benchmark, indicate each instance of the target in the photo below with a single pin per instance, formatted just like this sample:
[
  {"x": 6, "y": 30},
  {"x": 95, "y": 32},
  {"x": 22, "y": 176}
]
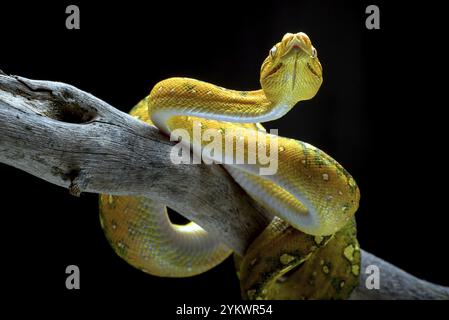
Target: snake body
[{"x": 310, "y": 191}]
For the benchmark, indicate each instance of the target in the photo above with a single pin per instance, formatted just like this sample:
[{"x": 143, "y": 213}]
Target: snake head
[{"x": 292, "y": 71}]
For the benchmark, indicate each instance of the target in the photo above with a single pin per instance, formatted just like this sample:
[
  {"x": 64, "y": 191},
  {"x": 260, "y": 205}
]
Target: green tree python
[{"x": 309, "y": 251}]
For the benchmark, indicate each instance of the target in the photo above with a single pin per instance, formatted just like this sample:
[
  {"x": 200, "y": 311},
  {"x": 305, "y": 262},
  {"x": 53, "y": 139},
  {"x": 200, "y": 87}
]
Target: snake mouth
[{"x": 294, "y": 46}]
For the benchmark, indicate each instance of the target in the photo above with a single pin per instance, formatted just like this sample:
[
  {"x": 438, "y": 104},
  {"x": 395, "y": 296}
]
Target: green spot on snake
[
  {"x": 336, "y": 283},
  {"x": 189, "y": 87},
  {"x": 318, "y": 240},
  {"x": 348, "y": 252},
  {"x": 355, "y": 269},
  {"x": 286, "y": 258},
  {"x": 121, "y": 248}
]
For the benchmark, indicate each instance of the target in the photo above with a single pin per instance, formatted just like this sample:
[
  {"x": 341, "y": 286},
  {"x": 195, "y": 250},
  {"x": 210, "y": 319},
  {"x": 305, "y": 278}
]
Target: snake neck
[
  {"x": 190, "y": 97},
  {"x": 268, "y": 110}
]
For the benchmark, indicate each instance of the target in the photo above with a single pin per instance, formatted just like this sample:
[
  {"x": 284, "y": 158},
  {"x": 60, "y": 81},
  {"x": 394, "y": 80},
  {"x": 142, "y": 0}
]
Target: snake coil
[{"x": 310, "y": 250}]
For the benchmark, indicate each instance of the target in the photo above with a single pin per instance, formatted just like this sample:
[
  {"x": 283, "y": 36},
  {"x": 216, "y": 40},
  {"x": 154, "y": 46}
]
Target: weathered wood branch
[
  {"x": 70, "y": 138},
  {"x": 396, "y": 284}
]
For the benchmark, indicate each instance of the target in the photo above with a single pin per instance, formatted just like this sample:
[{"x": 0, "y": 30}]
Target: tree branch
[
  {"x": 70, "y": 138},
  {"x": 395, "y": 284}
]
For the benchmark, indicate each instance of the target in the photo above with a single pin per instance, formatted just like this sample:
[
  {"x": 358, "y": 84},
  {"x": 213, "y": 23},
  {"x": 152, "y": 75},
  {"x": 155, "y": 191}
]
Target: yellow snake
[{"x": 313, "y": 195}]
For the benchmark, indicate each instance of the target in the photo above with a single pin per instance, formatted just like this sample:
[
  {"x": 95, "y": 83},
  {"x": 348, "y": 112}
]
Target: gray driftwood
[{"x": 70, "y": 138}]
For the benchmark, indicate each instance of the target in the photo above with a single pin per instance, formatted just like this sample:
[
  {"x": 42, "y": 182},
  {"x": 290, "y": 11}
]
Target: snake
[{"x": 311, "y": 195}]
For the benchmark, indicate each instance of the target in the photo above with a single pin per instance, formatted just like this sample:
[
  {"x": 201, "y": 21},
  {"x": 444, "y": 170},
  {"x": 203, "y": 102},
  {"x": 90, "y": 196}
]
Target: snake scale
[{"x": 310, "y": 250}]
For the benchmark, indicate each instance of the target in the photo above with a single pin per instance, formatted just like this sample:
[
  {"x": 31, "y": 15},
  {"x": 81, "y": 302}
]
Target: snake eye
[
  {"x": 314, "y": 53},
  {"x": 273, "y": 51}
]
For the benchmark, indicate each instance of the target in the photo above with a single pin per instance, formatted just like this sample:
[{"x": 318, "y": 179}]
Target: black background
[{"x": 379, "y": 113}]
